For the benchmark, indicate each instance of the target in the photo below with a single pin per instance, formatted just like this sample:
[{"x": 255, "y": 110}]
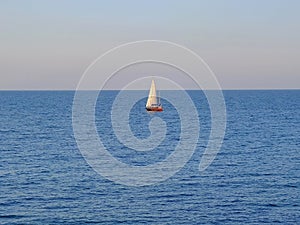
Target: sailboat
[{"x": 153, "y": 102}]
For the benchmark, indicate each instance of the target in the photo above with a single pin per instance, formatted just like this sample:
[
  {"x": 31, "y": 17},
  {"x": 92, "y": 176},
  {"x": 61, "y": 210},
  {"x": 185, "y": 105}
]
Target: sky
[{"x": 48, "y": 44}]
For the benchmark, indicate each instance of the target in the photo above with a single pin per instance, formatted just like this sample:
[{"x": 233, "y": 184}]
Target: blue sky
[{"x": 248, "y": 44}]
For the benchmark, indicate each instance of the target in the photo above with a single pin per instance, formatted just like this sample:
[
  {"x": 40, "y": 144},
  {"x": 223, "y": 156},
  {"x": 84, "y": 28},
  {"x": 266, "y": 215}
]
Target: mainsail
[{"x": 152, "y": 99}]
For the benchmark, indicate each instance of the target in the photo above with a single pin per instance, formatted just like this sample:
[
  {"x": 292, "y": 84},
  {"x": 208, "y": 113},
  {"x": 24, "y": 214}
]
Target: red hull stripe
[{"x": 155, "y": 109}]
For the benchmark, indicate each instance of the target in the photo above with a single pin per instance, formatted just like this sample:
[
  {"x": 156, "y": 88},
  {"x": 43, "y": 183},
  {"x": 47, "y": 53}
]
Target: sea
[{"x": 254, "y": 178}]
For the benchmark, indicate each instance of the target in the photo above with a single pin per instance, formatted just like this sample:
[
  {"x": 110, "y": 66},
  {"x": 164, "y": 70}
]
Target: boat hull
[{"x": 155, "y": 109}]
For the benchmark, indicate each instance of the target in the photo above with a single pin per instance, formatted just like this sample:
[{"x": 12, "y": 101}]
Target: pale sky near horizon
[{"x": 250, "y": 44}]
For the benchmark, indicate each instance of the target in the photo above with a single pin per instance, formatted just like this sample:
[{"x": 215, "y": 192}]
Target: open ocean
[{"x": 255, "y": 178}]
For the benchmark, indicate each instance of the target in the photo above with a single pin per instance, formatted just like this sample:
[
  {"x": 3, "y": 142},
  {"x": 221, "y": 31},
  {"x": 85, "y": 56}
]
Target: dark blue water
[{"x": 254, "y": 179}]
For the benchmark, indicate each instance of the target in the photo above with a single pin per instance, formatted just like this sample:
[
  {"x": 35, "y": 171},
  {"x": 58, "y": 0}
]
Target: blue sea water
[{"x": 255, "y": 178}]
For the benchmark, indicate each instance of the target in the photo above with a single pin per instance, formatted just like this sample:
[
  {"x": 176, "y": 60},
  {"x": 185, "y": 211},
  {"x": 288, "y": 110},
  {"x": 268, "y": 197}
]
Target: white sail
[{"x": 152, "y": 99}]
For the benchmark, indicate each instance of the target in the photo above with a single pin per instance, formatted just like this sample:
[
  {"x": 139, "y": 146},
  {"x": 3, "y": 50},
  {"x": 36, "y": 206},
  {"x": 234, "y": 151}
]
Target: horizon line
[{"x": 229, "y": 89}]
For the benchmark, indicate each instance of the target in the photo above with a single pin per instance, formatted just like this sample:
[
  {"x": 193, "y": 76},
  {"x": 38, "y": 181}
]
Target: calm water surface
[{"x": 254, "y": 179}]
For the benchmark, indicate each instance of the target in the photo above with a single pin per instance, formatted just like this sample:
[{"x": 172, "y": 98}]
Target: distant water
[{"x": 254, "y": 179}]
